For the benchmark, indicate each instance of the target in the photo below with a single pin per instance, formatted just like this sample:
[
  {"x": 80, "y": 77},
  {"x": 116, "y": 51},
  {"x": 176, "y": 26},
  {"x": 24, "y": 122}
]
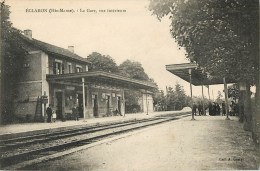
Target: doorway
[
  {"x": 95, "y": 105},
  {"x": 80, "y": 105},
  {"x": 119, "y": 104},
  {"x": 59, "y": 105},
  {"x": 108, "y": 104}
]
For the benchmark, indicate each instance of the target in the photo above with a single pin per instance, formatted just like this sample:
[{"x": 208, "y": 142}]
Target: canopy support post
[
  {"x": 226, "y": 97},
  {"x": 203, "y": 105},
  {"x": 192, "y": 113}
]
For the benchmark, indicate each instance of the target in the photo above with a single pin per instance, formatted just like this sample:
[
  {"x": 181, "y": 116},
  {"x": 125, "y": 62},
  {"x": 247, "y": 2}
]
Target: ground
[{"x": 210, "y": 142}]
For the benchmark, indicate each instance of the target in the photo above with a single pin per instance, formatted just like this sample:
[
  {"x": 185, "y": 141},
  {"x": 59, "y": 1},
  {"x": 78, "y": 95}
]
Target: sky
[{"x": 134, "y": 34}]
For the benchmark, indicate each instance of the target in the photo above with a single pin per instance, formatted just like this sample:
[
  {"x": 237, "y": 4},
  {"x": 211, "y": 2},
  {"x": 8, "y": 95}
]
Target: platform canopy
[
  {"x": 100, "y": 77},
  {"x": 197, "y": 74}
]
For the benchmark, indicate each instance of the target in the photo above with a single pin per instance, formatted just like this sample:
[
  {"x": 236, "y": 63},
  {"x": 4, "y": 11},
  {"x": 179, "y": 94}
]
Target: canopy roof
[
  {"x": 101, "y": 77},
  {"x": 198, "y": 77}
]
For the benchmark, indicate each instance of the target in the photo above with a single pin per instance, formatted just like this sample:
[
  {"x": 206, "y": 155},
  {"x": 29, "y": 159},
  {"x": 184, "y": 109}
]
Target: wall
[
  {"x": 102, "y": 91},
  {"x": 30, "y": 88},
  {"x": 71, "y": 98}
]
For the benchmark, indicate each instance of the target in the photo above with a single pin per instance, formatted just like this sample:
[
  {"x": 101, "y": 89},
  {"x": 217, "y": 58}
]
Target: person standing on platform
[
  {"x": 214, "y": 109},
  {"x": 194, "y": 109},
  {"x": 75, "y": 113},
  {"x": 210, "y": 108},
  {"x": 217, "y": 109},
  {"x": 223, "y": 108},
  {"x": 232, "y": 108},
  {"x": 200, "y": 109},
  {"x": 49, "y": 113}
]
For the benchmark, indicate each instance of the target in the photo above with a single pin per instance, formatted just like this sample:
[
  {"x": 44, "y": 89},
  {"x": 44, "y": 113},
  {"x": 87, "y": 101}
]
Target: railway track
[{"x": 22, "y": 149}]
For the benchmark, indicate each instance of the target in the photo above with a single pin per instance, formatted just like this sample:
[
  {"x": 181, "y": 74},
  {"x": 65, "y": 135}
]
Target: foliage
[
  {"x": 131, "y": 100},
  {"x": 12, "y": 53},
  {"x": 134, "y": 70},
  {"x": 128, "y": 69},
  {"x": 220, "y": 36},
  {"x": 102, "y": 63},
  {"x": 159, "y": 101},
  {"x": 233, "y": 92},
  {"x": 176, "y": 98}
]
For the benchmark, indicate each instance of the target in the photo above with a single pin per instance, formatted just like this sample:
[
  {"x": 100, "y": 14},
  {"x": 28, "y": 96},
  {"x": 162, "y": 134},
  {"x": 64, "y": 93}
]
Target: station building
[{"x": 65, "y": 79}]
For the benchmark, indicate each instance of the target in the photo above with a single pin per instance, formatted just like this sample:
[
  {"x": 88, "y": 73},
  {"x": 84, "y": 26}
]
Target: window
[
  {"x": 69, "y": 68},
  {"x": 58, "y": 67},
  {"x": 79, "y": 68},
  {"x": 86, "y": 68}
]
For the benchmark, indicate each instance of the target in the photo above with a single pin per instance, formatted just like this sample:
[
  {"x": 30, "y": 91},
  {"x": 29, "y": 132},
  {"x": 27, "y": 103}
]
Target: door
[
  {"x": 59, "y": 105},
  {"x": 95, "y": 105},
  {"x": 119, "y": 105},
  {"x": 108, "y": 104},
  {"x": 80, "y": 107}
]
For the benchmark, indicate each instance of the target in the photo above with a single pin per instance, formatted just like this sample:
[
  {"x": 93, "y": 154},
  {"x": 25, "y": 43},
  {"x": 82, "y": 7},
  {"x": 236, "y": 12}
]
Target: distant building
[{"x": 61, "y": 74}]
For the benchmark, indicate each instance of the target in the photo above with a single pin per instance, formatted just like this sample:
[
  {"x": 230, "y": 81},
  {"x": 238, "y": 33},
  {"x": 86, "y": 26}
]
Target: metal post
[
  {"x": 226, "y": 97},
  {"x": 45, "y": 115},
  {"x": 191, "y": 95},
  {"x": 83, "y": 90},
  {"x": 203, "y": 105}
]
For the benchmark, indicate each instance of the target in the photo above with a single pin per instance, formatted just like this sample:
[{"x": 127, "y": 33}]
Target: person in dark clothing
[
  {"x": 210, "y": 108},
  {"x": 214, "y": 109},
  {"x": 49, "y": 113},
  {"x": 75, "y": 113},
  {"x": 217, "y": 109},
  {"x": 232, "y": 108},
  {"x": 194, "y": 109},
  {"x": 223, "y": 108},
  {"x": 200, "y": 109}
]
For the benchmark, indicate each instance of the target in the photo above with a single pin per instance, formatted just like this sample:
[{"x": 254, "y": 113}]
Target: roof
[
  {"x": 100, "y": 76},
  {"x": 198, "y": 77},
  {"x": 52, "y": 49}
]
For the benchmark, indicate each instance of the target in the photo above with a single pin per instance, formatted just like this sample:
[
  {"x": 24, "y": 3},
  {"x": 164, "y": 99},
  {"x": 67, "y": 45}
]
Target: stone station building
[{"x": 66, "y": 80}]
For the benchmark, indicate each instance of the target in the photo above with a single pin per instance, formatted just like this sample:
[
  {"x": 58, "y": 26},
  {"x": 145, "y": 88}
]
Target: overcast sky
[{"x": 134, "y": 34}]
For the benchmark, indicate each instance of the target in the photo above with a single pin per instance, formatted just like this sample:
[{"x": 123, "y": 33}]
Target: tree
[
  {"x": 132, "y": 100},
  {"x": 220, "y": 36},
  {"x": 102, "y": 63},
  {"x": 133, "y": 69},
  {"x": 232, "y": 26},
  {"x": 159, "y": 100},
  {"x": 180, "y": 96},
  {"x": 176, "y": 98},
  {"x": 12, "y": 56}
]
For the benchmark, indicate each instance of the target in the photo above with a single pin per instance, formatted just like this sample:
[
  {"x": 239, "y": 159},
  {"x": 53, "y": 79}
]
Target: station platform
[
  {"x": 27, "y": 129},
  {"x": 207, "y": 143}
]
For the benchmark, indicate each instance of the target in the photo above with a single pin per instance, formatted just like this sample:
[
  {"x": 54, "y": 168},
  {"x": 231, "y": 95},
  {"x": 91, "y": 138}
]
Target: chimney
[
  {"x": 28, "y": 34},
  {"x": 71, "y": 49}
]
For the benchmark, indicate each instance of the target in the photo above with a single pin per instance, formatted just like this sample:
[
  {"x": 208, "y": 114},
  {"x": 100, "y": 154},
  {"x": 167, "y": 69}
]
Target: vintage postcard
[{"x": 129, "y": 85}]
